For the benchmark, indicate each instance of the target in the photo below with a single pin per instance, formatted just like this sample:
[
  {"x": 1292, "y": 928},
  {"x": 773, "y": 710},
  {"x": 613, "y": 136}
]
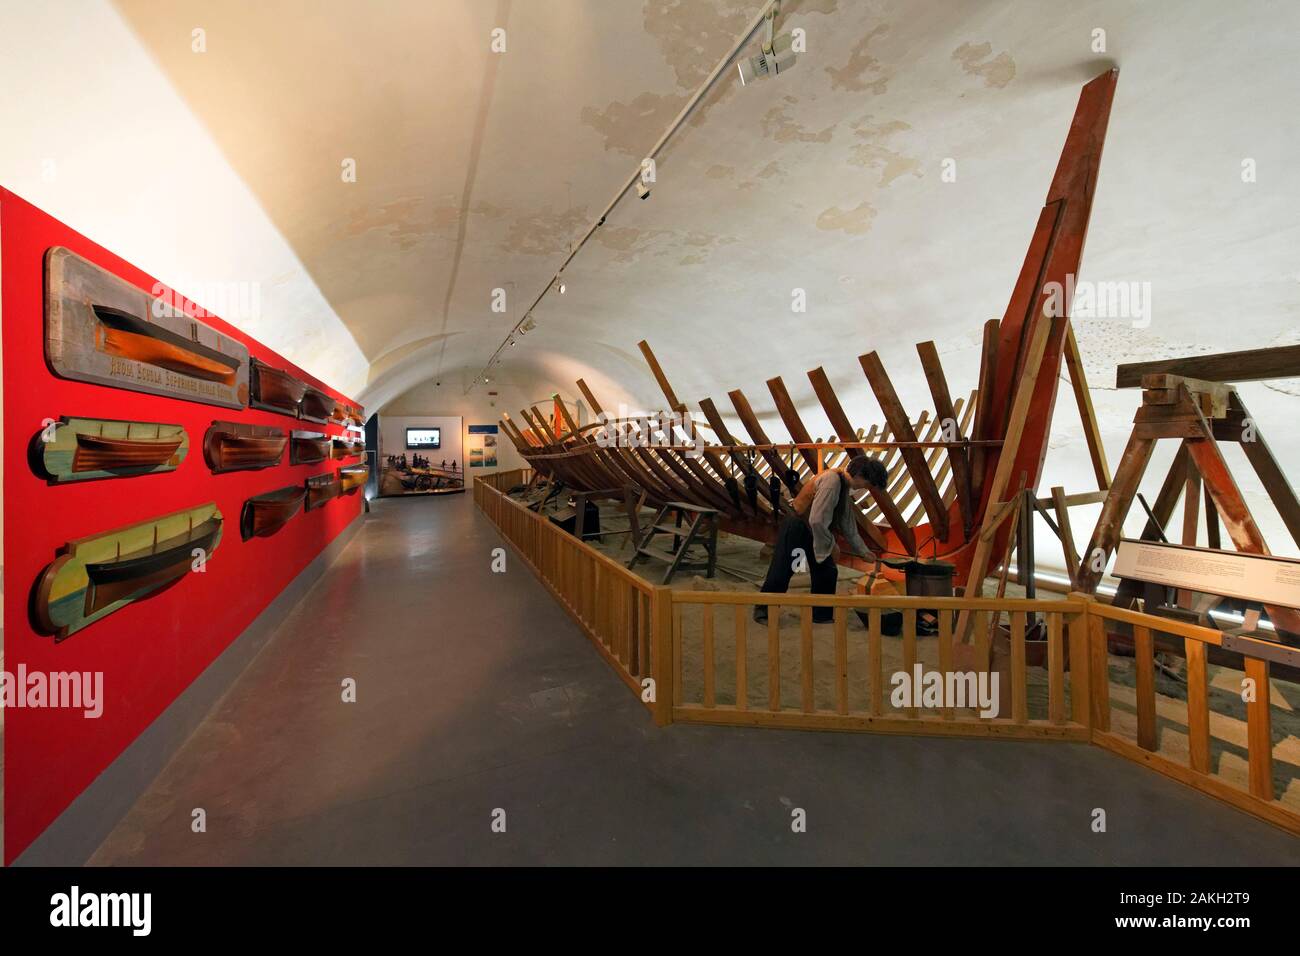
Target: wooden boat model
[
  {"x": 321, "y": 489},
  {"x": 273, "y": 389},
  {"x": 101, "y": 328},
  {"x": 87, "y": 448},
  {"x": 126, "y": 335},
  {"x": 94, "y": 576},
  {"x": 129, "y": 575},
  {"x": 308, "y": 448},
  {"x": 266, "y": 514},
  {"x": 235, "y": 446},
  {"x": 316, "y": 406},
  {"x": 352, "y": 477},
  {"x": 343, "y": 448},
  {"x": 952, "y": 471}
]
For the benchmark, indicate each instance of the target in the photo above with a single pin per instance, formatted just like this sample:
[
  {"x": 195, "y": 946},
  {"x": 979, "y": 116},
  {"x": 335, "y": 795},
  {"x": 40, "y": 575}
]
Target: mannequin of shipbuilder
[{"x": 807, "y": 537}]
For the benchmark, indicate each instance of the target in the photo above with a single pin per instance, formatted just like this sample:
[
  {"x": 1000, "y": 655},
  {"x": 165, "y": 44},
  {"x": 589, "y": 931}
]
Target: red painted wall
[{"x": 150, "y": 651}]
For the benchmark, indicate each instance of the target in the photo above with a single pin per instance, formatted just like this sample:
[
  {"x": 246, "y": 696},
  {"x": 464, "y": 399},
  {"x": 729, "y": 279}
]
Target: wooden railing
[
  {"x": 859, "y": 677},
  {"x": 613, "y": 606},
  {"x": 1149, "y": 635},
  {"x": 698, "y": 656}
]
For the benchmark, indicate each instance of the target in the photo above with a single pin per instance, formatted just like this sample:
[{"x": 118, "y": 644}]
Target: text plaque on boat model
[{"x": 1252, "y": 577}]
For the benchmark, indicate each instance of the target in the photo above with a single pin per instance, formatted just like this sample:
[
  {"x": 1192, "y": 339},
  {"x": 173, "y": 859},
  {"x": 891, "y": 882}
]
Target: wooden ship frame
[{"x": 955, "y": 474}]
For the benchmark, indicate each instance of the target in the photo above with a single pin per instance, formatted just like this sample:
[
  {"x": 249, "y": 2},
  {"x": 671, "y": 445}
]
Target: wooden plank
[
  {"x": 1006, "y": 461},
  {"x": 841, "y": 661},
  {"x": 875, "y": 662},
  {"x": 1055, "y": 670},
  {"x": 1088, "y": 415},
  {"x": 945, "y": 411},
  {"x": 710, "y": 661},
  {"x": 909, "y": 649},
  {"x": 806, "y": 659},
  {"x": 901, "y": 426},
  {"x": 1198, "y": 706},
  {"x": 742, "y": 659},
  {"x": 661, "y": 661},
  {"x": 1252, "y": 365},
  {"x": 1019, "y": 674},
  {"x": 785, "y": 407},
  {"x": 1110, "y": 523},
  {"x": 945, "y": 653},
  {"x": 660, "y": 377},
  {"x": 984, "y": 415},
  {"x": 1144, "y": 661},
  {"x": 1259, "y": 731},
  {"x": 1067, "y": 535},
  {"x": 774, "y": 657}
]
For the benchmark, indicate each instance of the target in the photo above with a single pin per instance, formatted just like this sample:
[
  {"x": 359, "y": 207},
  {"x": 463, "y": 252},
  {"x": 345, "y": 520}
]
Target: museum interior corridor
[{"x": 476, "y": 692}]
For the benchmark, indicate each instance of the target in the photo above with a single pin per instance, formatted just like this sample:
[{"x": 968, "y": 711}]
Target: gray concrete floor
[{"x": 475, "y": 692}]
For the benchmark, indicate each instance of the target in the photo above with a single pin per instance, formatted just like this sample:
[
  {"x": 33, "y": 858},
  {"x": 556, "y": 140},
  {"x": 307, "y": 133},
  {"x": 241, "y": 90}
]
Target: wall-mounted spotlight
[{"x": 776, "y": 56}]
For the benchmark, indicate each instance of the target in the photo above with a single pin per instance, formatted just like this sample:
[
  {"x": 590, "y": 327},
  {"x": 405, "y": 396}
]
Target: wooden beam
[
  {"x": 901, "y": 426},
  {"x": 591, "y": 399},
  {"x": 943, "y": 407},
  {"x": 1083, "y": 398},
  {"x": 1067, "y": 536},
  {"x": 660, "y": 377},
  {"x": 793, "y": 423},
  {"x": 835, "y": 413},
  {"x": 1252, "y": 365},
  {"x": 1270, "y": 472},
  {"x": 984, "y": 415}
]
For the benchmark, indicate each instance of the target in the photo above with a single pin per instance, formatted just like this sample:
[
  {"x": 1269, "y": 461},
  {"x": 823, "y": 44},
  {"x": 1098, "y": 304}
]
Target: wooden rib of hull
[{"x": 949, "y": 482}]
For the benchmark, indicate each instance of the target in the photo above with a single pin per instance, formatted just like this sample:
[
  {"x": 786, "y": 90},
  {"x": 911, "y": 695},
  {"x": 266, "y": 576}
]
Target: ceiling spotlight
[
  {"x": 559, "y": 286},
  {"x": 776, "y": 56},
  {"x": 528, "y": 324},
  {"x": 642, "y": 190}
]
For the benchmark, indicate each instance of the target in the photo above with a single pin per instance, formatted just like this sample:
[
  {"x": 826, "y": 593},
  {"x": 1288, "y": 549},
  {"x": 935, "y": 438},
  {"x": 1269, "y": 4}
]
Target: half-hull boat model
[
  {"x": 94, "y": 576},
  {"x": 266, "y": 514},
  {"x": 308, "y": 448},
  {"x": 235, "y": 446},
  {"x": 316, "y": 406},
  {"x": 274, "y": 390},
  {"x": 100, "y": 328},
  {"x": 77, "y": 449},
  {"x": 342, "y": 447},
  {"x": 957, "y": 469},
  {"x": 352, "y": 477},
  {"x": 321, "y": 489}
]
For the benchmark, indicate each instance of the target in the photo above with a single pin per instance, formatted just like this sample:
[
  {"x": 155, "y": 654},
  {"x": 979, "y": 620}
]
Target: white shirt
[{"x": 826, "y": 495}]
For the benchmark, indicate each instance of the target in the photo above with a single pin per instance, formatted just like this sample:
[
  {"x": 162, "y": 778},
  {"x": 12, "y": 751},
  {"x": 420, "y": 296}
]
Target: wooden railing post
[
  {"x": 1080, "y": 668},
  {"x": 662, "y": 665}
]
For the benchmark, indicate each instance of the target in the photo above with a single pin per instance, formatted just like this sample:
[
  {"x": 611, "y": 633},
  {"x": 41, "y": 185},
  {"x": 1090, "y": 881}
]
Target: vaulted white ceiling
[{"x": 475, "y": 170}]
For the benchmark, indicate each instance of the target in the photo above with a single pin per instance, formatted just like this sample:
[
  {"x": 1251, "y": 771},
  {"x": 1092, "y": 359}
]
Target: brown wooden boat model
[
  {"x": 316, "y": 406},
  {"x": 341, "y": 447},
  {"x": 235, "y": 446},
  {"x": 352, "y": 477},
  {"x": 321, "y": 489},
  {"x": 266, "y": 514},
  {"x": 77, "y": 449},
  {"x": 274, "y": 390},
  {"x": 953, "y": 470},
  {"x": 100, "y": 328},
  {"x": 309, "y": 448},
  {"x": 97, "y": 575}
]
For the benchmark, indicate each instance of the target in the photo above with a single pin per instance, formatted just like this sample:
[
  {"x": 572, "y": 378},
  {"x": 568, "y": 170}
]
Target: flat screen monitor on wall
[{"x": 424, "y": 438}]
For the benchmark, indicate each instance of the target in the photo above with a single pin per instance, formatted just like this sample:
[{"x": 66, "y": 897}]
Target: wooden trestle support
[{"x": 953, "y": 473}]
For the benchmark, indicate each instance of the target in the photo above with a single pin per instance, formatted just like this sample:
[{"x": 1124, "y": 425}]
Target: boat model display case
[
  {"x": 80, "y": 449},
  {"x": 235, "y": 446},
  {"x": 266, "y": 514},
  {"x": 100, "y": 328}
]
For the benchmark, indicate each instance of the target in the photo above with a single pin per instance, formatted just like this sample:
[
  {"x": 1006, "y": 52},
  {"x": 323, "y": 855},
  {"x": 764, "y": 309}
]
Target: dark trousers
[{"x": 795, "y": 532}]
